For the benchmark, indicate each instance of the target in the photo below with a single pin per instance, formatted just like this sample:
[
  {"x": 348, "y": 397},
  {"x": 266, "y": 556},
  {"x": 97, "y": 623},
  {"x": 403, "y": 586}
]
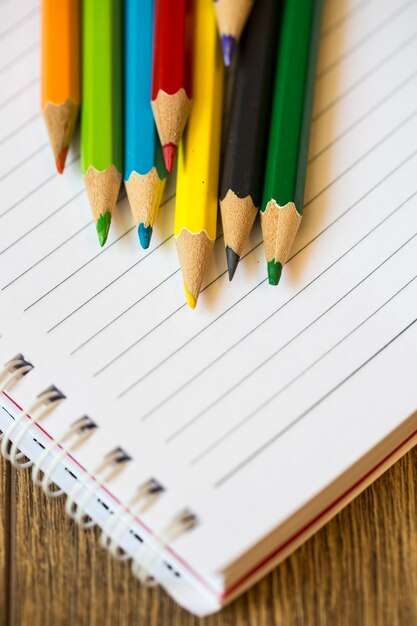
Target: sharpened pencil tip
[
  {"x": 191, "y": 300},
  {"x": 145, "y": 235},
  {"x": 232, "y": 261},
  {"x": 274, "y": 272},
  {"x": 170, "y": 152},
  {"x": 228, "y": 46},
  {"x": 103, "y": 227},
  {"x": 60, "y": 160}
]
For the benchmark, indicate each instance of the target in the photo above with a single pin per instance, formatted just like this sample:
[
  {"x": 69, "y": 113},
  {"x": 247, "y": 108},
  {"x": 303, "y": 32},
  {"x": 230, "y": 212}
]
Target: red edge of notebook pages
[
  {"x": 315, "y": 519},
  {"x": 272, "y": 555},
  {"x": 173, "y": 34}
]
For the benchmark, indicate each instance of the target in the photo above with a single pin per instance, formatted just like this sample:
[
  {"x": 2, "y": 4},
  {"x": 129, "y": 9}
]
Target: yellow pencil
[{"x": 198, "y": 156}]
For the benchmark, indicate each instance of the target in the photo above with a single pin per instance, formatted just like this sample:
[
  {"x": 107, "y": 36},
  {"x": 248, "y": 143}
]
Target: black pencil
[{"x": 246, "y": 139}]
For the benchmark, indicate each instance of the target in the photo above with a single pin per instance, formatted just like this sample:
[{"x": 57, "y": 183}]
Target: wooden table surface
[{"x": 359, "y": 570}]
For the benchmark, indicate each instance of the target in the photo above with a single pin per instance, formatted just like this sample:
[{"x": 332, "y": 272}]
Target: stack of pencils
[{"x": 151, "y": 76}]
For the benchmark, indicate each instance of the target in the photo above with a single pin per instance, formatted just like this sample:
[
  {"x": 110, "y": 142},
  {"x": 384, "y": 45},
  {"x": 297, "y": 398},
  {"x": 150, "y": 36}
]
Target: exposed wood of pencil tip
[
  {"x": 102, "y": 189},
  {"x": 279, "y": 228},
  {"x": 171, "y": 113},
  {"x": 238, "y": 216},
  {"x": 232, "y": 16},
  {"x": 60, "y": 121},
  {"x": 193, "y": 250},
  {"x": 144, "y": 192}
]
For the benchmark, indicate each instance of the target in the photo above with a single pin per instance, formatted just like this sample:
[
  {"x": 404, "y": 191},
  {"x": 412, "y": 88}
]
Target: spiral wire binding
[
  {"x": 119, "y": 520},
  {"x": 13, "y": 370},
  {"x": 108, "y": 468},
  {"x": 44, "y": 403},
  {"x": 76, "y": 434},
  {"x": 151, "y": 551}
]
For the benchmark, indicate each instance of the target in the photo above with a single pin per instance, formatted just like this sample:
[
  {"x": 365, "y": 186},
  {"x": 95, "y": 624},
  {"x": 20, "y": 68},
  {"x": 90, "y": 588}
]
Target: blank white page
[{"x": 249, "y": 406}]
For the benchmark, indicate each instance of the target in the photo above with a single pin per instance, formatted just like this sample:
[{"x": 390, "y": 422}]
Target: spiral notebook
[{"x": 209, "y": 444}]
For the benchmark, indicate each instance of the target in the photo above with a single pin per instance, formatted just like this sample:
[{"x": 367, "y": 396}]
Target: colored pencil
[
  {"x": 101, "y": 117},
  {"x": 232, "y": 16},
  {"x": 171, "y": 77},
  {"x": 60, "y": 98},
  {"x": 145, "y": 172},
  {"x": 198, "y": 157},
  {"x": 283, "y": 194},
  {"x": 247, "y": 134}
]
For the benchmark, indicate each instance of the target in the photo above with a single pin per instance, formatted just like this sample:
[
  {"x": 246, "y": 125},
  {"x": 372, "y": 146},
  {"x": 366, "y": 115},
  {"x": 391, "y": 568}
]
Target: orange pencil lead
[{"x": 60, "y": 160}]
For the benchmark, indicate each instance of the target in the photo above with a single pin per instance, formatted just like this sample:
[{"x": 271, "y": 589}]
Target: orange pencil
[{"x": 60, "y": 73}]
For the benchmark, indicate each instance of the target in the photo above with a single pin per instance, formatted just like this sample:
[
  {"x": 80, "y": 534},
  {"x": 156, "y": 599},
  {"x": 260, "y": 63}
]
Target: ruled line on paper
[
  {"x": 171, "y": 314},
  {"x": 110, "y": 284},
  {"x": 37, "y": 188},
  {"x": 138, "y": 341},
  {"x": 129, "y": 308},
  {"x": 18, "y": 23},
  {"x": 379, "y": 143},
  {"x": 25, "y": 160},
  {"x": 226, "y": 477},
  {"x": 190, "y": 340},
  {"x": 366, "y": 38},
  {"x": 93, "y": 258},
  {"x": 334, "y": 62},
  {"x": 386, "y": 98},
  {"x": 365, "y": 195},
  {"x": 81, "y": 267},
  {"x": 403, "y": 45},
  {"x": 287, "y": 343},
  {"x": 19, "y": 57},
  {"x": 264, "y": 404},
  {"x": 135, "y": 383},
  {"x": 43, "y": 221},
  {"x": 185, "y": 426},
  {"x": 129, "y": 230},
  {"x": 18, "y": 93},
  {"x": 14, "y": 132},
  {"x": 46, "y": 256},
  {"x": 344, "y": 18}
]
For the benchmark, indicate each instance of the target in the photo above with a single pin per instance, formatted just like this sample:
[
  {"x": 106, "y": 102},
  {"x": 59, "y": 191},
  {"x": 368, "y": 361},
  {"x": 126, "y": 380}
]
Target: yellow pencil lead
[{"x": 191, "y": 300}]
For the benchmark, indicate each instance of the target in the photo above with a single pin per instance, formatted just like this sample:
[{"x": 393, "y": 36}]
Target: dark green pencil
[{"x": 283, "y": 193}]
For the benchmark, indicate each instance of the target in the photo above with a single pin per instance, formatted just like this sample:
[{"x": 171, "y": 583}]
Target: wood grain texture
[
  {"x": 360, "y": 569},
  {"x": 4, "y": 540}
]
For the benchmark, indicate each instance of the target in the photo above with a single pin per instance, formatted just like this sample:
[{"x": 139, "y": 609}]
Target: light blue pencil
[{"x": 145, "y": 171}]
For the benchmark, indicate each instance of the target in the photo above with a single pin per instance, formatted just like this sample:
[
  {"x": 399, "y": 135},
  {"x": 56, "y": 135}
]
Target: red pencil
[{"x": 171, "y": 77}]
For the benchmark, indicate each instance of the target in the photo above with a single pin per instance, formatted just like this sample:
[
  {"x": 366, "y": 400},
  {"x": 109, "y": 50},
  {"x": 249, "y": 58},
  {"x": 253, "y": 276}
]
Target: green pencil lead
[
  {"x": 103, "y": 227},
  {"x": 274, "y": 272}
]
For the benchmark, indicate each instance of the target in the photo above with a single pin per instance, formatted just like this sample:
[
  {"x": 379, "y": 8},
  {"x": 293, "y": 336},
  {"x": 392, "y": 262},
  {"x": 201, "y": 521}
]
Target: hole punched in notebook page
[{"x": 216, "y": 401}]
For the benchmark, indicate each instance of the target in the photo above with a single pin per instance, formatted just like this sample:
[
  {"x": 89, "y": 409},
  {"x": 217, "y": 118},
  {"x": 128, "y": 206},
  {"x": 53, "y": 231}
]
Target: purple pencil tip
[{"x": 228, "y": 46}]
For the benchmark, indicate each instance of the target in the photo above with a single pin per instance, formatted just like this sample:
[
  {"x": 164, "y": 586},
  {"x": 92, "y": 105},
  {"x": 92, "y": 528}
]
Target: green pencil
[
  {"x": 101, "y": 118},
  {"x": 282, "y": 203}
]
